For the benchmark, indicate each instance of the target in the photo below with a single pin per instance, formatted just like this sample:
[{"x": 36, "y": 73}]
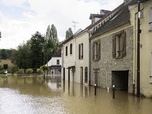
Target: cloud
[
  {"x": 36, "y": 15},
  {"x": 13, "y": 2}
]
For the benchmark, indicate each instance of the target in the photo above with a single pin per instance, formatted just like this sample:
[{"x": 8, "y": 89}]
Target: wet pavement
[{"x": 35, "y": 95}]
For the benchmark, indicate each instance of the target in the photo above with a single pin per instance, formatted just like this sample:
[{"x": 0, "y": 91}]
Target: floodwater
[{"x": 35, "y": 95}]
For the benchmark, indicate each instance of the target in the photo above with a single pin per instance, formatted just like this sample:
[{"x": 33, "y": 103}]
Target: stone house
[
  {"x": 112, "y": 50},
  {"x": 6, "y": 64}
]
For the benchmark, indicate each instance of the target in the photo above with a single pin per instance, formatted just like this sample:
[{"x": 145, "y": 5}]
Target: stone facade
[{"x": 106, "y": 64}]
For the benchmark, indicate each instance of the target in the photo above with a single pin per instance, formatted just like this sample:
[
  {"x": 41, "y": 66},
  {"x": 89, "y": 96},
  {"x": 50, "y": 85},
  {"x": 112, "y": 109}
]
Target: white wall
[
  {"x": 53, "y": 61},
  {"x": 68, "y": 60},
  {"x": 83, "y": 38}
]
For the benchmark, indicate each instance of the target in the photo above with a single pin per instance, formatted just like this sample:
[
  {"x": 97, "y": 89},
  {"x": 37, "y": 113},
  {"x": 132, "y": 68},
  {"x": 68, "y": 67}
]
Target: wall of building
[
  {"x": 7, "y": 62},
  {"x": 107, "y": 63},
  {"x": 83, "y": 38},
  {"x": 73, "y": 59},
  {"x": 68, "y": 60},
  {"x": 145, "y": 47},
  {"x": 53, "y": 61}
]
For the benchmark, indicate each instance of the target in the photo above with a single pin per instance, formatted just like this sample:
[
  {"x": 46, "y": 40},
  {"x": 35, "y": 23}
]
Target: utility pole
[
  {"x": 138, "y": 50},
  {"x": 74, "y": 25}
]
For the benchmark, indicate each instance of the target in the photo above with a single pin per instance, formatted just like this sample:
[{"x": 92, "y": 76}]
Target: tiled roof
[
  {"x": 121, "y": 17},
  {"x": 57, "y": 54}
]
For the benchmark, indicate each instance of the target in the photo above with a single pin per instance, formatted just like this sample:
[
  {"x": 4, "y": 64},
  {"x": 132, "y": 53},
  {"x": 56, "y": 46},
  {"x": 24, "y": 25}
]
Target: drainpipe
[
  {"x": 138, "y": 51},
  {"x": 151, "y": 70}
]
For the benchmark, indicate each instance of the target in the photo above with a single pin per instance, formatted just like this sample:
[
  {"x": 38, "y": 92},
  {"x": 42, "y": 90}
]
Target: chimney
[{"x": 126, "y": 1}]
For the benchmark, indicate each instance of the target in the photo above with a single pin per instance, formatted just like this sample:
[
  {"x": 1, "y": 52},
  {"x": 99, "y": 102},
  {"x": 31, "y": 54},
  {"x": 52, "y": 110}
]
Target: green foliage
[
  {"x": 13, "y": 69},
  {"x": 39, "y": 71},
  {"x": 4, "y": 76},
  {"x": 20, "y": 71},
  {"x": 23, "y": 59},
  {"x": 29, "y": 71},
  {"x": 51, "y": 43},
  {"x": 6, "y": 53},
  {"x": 69, "y": 33},
  {"x": 44, "y": 68},
  {"x": 37, "y": 50},
  {"x": 2, "y": 71}
]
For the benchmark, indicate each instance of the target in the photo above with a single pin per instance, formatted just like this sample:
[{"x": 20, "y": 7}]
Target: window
[
  {"x": 119, "y": 45},
  {"x": 150, "y": 19},
  {"x": 5, "y": 66},
  {"x": 58, "y": 62},
  {"x": 66, "y": 50},
  {"x": 81, "y": 51},
  {"x": 96, "y": 50},
  {"x": 70, "y": 48}
]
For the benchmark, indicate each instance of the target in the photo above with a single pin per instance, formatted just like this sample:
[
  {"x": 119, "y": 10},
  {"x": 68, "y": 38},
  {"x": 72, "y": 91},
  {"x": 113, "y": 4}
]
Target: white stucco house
[
  {"x": 75, "y": 57},
  {"x": 55, "y": 65}
]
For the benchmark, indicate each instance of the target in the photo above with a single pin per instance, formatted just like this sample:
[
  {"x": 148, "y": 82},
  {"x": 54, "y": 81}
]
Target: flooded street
[{"x": 35, "y": 95}]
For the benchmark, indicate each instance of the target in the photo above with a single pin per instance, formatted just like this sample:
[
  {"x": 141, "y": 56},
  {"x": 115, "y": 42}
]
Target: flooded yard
[{"x": 35, "y": 95}]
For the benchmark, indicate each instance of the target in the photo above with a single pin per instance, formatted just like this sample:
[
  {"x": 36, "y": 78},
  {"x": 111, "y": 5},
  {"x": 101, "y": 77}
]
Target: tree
[
  {"x": 23, "y": 57},
  {"x": 37, "y": 50},
  {"x": 14, "y": 56},
  {"x": 69, "y": 33},
  {"x": 51, "y": 43}
]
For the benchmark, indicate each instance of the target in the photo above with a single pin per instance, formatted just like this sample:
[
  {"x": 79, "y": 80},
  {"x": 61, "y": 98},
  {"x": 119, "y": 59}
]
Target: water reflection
[{"x": 35, "y": 95}]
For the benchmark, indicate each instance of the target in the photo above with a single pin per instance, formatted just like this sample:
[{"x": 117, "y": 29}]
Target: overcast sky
[{"x": 19, "y": 19}]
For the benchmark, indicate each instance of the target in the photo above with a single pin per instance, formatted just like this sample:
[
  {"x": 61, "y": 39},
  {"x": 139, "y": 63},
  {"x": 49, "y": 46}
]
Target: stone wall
[{"x": 107, "y": 63}]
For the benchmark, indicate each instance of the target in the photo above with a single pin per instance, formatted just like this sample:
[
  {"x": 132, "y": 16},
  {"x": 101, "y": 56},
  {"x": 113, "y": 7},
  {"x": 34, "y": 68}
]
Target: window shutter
[
  {"x": 99, "y": 50},
  {"x": 93, "y": 46},
  {"x": 114, "y": 47},
  {"x": 124, "y": 44}
]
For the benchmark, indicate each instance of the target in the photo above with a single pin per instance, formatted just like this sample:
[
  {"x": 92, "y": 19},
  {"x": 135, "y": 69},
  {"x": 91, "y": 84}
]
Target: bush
[
  {"x": 29, "y": 71},
  {"x": 39, "y": 71},
  {"x": 44, "y": 68},
  {"x": 13, "y": 69},
  {"x": 20, "y": 71}
]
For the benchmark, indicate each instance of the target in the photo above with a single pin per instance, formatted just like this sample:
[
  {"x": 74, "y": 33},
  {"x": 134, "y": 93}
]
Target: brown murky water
[{"x": 34, "y": 95}]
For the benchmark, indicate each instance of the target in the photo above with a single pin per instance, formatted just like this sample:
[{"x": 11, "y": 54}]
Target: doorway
[
  {"x": 63, "y": 73},
  {"x": 81, "y": 75},
  {"x": 120, "y": 80}
]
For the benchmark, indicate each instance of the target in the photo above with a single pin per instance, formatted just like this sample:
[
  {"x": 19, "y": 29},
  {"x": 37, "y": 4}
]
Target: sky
[{"x": 20, "y": 19}]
